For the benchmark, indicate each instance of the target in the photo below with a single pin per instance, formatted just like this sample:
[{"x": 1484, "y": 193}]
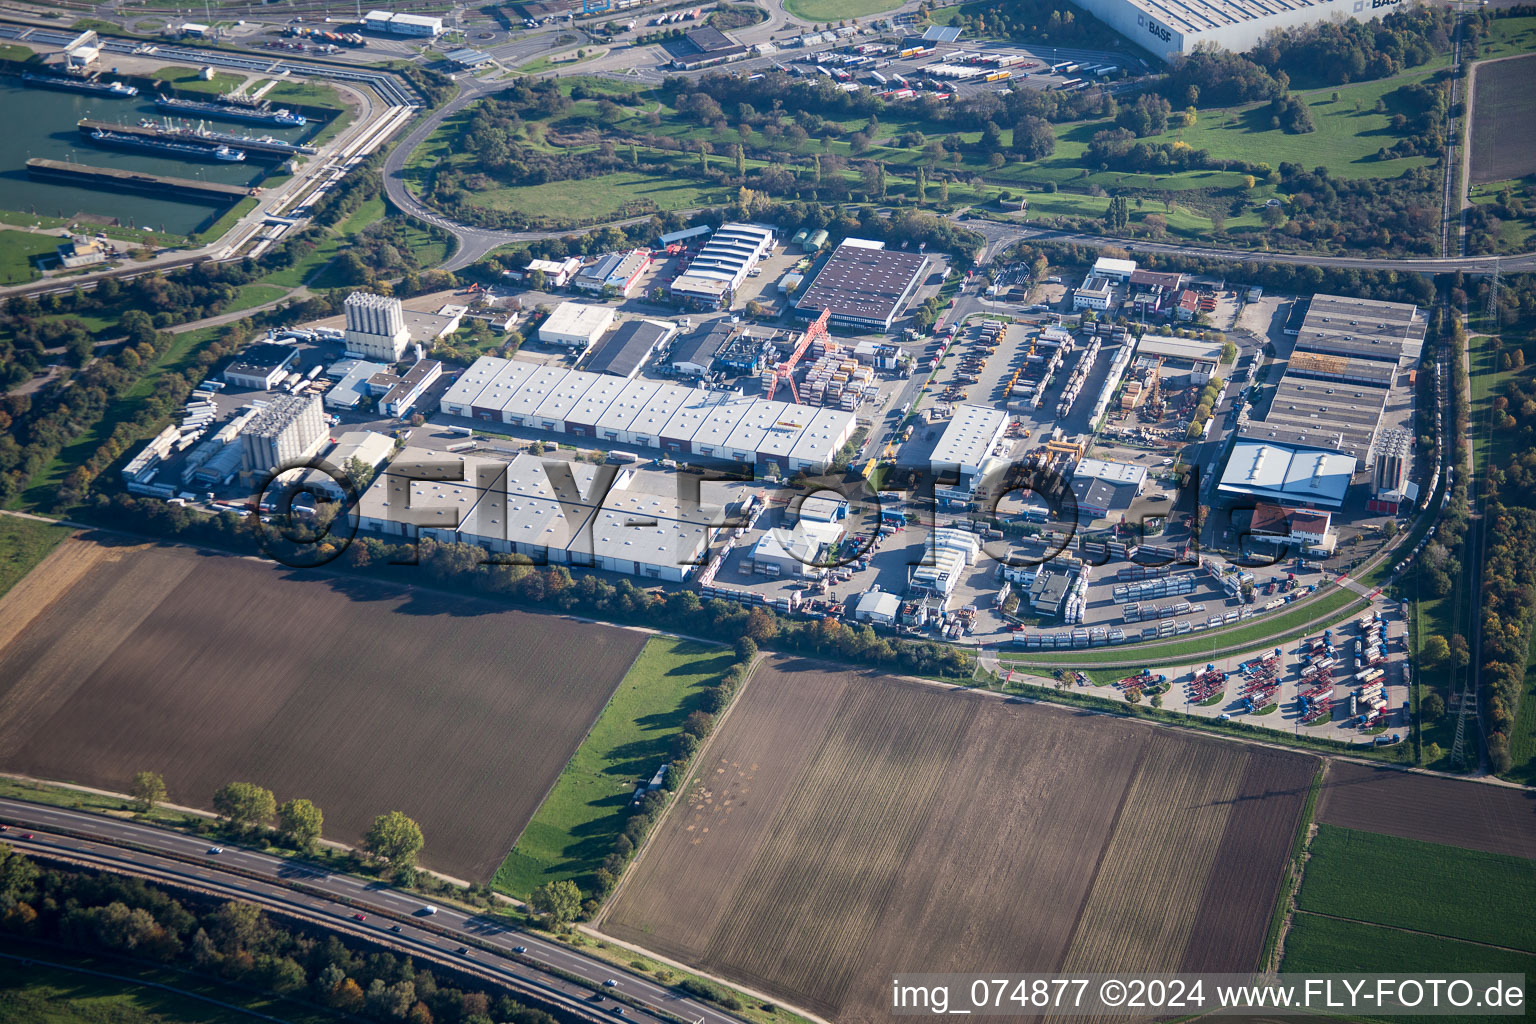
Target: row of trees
[
  {"x": 1035, "y": 21},
  {"x": 1322, "y": 54},
  {"x": 555, "y": 587},
  {"x": 1298, "y": 279},
  {"x": 239, "y": 943},
  {"x": 249, "y": 810},
  {"x": 561, "y": 902},
  {"x": 1508, "y": 601}
]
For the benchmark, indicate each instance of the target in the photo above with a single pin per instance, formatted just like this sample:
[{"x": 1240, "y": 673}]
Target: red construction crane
[{"x": 785, "y": 371}]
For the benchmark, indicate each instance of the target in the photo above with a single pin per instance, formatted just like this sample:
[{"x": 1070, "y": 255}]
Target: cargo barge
[
  {"x": 193, "y": 150},
  {"x": 76, "y": 84},
  {"x": 234, "y": 111}
]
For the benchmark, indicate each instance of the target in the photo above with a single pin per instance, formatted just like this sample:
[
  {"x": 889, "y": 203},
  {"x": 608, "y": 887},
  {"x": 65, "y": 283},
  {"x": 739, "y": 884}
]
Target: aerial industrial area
[{"x": 542, "y": 486}]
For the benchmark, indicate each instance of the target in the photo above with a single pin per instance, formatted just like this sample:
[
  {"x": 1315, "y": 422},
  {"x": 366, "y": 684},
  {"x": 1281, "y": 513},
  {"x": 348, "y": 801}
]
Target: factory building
[
  {"x": 694, "y": 354},
  {"x": 1104, "y": 488},
  {"x": 368, "y": 447},
  {"x": 626, "y": 520},
  {"x": 624, "y": 351},
  {"x": 289, "y": 429},
  {"x": 618, "y": 270},
  {"x": 798, "y": 550},
  {"x": 260, "y": 366},
  {"x": 723, "y": 264},
  {"x": 397, "y": 394},
  {"x": 1350, "y": 413},
  {"x": 1181, "y": 351},
  {"x": 575, "y": 326},
  {"x": 557, "y": 273},
  {"x": 950, "y": 553},
  {"x": 877, "y": 607},
  {"x": 1169, "y": 29},
  {"x": 1119, "y": 271},
  {"x": 1373, "y": 373},
  {"x": 1094, "y": 293},
  {"x": 701, "y": 47},
  {"x": 679, "y": 421},
  {"x": 1334, "y": 394},
  {"x": 864, "y": 285},
  {"x": 970, "y": 436},
  {"x": 351, "y": 387},
  {"x": 376, "y": 328},
  {"x": 1366, "y": 329},
  {"x": 1283, "y": 475}
]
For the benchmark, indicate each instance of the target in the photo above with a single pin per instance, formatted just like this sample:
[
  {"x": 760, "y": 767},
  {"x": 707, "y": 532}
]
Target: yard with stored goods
[
  {"x": 842, "y": 826},
  {"x": 1504, "y": 120},
  {"x": 364, "y": 697}
]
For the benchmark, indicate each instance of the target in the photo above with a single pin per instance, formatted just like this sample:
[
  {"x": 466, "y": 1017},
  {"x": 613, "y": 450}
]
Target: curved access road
[
  {"x": 999, "y": 235},
  {"x": 547, "y": 971}
]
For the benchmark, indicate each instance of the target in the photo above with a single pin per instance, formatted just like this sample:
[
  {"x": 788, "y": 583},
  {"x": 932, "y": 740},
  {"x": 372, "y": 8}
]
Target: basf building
[{"x": 1170, "y": 28}]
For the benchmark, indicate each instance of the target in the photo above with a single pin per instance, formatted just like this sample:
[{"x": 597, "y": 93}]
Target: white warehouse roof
[
  {"x": 1288, "y": 475},
  {"x": 969, "y": 437},
  {"x": 1114, "y": 267},
  {"x": 1186, "y": 349},
  {"x": 575, "y": 320},
  {"x": 649, "y": 414},
  {"x": 1110, "y": 472}
]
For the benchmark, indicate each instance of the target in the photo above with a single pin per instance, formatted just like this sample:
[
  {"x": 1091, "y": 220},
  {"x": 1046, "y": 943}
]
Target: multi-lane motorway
[{"x": 546, "y": 970}]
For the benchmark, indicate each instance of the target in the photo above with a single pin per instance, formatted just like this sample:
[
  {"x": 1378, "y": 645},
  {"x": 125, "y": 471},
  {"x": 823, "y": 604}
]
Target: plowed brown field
[
  {"x": 1473, "y": 815},
  {"x": 843, "y": 828},
  {"x": 363, "y": 697}
]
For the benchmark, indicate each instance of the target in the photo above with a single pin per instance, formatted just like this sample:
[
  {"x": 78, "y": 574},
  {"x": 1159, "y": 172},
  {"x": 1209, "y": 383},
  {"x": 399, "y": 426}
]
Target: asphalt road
[
  {"x": 333, "y": 899},
  {"x": 998, "y": 233}
]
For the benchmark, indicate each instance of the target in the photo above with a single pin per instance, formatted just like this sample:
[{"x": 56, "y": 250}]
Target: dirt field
[
  {"x": 842, "y": 829},
  {"x": 360, "y": 696},
  {"x": 1498, "y": 819},
  {"x": 1504, "y": 121}
]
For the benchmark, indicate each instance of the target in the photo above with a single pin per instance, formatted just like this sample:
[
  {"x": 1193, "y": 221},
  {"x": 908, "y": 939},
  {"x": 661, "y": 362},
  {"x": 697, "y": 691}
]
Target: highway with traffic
[{"x": 478, "y": 944}]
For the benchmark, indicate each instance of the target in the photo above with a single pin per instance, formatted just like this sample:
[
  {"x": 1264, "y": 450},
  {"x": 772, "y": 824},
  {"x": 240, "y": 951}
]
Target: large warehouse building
[
  {"x": 680, "y": 421},
  {"x": 559, "y": 514},
  {"x": 1288, "y": 476},
  {"x": 1325, "y": 419},
  {"x": 723, "y": 264},
  {"x": 864, "y": 284},
  {"x": 1171, "y": 28},
  {"x": 969, "y": 439}
]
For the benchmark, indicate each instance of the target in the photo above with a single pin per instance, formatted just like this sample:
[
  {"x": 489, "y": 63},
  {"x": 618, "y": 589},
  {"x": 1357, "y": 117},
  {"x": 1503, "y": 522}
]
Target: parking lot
[{"x": 1287, "y": 710}]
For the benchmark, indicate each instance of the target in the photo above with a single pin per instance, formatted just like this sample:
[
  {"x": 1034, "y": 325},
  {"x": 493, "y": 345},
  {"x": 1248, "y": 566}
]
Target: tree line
[
  {"x": 563, "y": 901},
  {"x": 240, "y": 944},
  {"x": 1507, "y": 604},
  {"x": 556, "y": 587},
  {"x": 250, "y": 811}
]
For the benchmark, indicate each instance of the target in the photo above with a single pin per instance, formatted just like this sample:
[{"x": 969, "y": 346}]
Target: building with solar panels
[{"x": 1173, "y": 28}]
